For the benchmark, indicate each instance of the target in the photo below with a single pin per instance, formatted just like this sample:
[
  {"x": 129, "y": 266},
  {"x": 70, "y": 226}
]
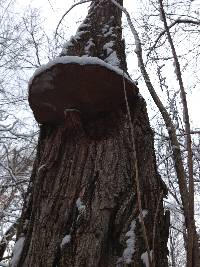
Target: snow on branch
[{"x": 51, "y": 101}]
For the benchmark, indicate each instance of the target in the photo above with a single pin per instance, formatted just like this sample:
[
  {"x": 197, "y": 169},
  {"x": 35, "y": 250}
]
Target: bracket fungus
[{"x": 86, "y": 84}]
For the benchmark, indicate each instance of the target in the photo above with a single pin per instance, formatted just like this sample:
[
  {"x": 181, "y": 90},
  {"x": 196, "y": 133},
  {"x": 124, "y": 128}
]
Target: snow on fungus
[
  {"x": 87, "y": 84},
  {"x": 17, "y": 250}
]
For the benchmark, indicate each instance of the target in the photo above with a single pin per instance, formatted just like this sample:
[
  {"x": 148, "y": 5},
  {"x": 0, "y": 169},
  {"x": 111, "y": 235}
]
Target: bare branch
[
  {"x": 191, "y": 250},
  {"x": 177, "y": 21},
  {"x": 74, "y": 5},
  {"x": 178, "y": 162},
  {"x": 51, "y": 5}
]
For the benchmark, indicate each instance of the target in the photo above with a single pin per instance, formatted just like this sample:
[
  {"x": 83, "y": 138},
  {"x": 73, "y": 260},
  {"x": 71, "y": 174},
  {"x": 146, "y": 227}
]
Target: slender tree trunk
[{"x": 82, "y": 202}]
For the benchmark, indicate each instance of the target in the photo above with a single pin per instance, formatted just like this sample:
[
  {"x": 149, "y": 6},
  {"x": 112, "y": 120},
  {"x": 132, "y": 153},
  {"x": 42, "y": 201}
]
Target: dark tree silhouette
[{"x": 94, "y": 180}]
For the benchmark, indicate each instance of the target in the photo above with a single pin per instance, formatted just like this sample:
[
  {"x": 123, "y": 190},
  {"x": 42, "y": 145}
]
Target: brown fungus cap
[{"x": 90, "y": 88}]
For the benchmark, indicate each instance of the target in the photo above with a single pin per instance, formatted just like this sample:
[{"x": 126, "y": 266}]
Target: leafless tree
[{"x": 185, "y": 175}]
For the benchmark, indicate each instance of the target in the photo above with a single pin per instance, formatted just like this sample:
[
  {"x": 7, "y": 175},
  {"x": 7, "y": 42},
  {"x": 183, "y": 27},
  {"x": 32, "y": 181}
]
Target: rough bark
[
  {"x": 83, "y": 189},
  {"x": 102, "y": 26}
]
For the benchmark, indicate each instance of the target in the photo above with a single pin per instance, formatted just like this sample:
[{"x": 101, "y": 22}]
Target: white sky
[{"x": 52, "y": 11}]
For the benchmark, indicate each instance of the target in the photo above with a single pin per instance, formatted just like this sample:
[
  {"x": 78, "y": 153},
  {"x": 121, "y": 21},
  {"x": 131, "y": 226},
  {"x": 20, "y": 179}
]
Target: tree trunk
[{"x": 82, "y": 202}]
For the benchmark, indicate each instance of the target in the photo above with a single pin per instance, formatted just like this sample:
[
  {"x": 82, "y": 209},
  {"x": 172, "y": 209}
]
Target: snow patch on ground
[
  {"x": 84, "y": 60},
  {"x": 66, "y": 239},
  {"x": 17, "y": 250}
]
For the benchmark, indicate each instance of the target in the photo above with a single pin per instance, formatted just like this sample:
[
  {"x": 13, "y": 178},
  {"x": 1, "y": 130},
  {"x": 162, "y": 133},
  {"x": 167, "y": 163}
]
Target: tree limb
[
  {"x": 191, "y": 229},
  {"x": 177, "y": 21}
]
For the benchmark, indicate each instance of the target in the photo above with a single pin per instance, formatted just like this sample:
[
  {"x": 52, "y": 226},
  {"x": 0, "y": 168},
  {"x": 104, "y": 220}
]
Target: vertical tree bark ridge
[
  {"x": 100, "y": 35},
  {"x": 76, "y": 164},
  {"x": 81, "y": 207}
]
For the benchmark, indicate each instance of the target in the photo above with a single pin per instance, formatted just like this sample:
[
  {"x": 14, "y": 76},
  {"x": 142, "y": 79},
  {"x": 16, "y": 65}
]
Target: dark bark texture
[
  {"x": 100, "y": 35},
  {"x": 81, "y": 208}
]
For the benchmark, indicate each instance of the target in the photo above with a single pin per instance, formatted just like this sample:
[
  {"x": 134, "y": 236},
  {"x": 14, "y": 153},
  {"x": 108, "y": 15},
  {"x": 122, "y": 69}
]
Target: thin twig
[
  {"x": 191, "y": 251},
  {"x": 74, "y": 5},
  {"x": 178, "y": 163},
  {"x": 51, "y": 5},
  {"x": 177, "y": 21}
]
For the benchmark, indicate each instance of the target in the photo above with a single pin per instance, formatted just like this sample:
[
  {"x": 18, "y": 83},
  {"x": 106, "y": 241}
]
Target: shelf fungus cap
[{"x": 86, "y": 84}]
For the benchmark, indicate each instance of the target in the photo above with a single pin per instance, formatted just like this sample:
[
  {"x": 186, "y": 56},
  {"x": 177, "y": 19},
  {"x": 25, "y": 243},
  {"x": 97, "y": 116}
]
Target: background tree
[
  {"x": 18, "y": 133},
  {"x": 185, "y": 178}
]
